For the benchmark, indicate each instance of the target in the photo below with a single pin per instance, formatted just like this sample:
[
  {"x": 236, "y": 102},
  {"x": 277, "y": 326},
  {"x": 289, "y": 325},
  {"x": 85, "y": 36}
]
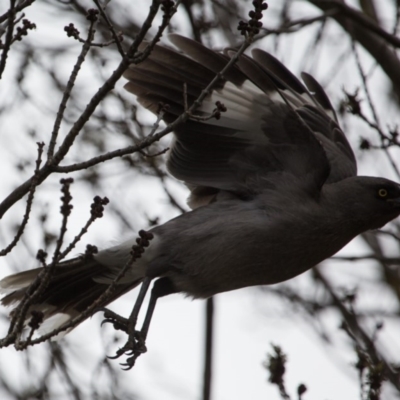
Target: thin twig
[
  {"x": 117, "y": 38},
  {"x": 364, "y": 82},
  {"x": 66, "y": 208},
  {"x": 94, "y": 215},
  {"x": 29, "y": 203},
  {"x": 16, "y": 9},
  {"x": 140, "y": 57},
  {"x": 9, "y": 35},
  {"x": 68, "y": 89},
  {"x": 156, "y": 124}
]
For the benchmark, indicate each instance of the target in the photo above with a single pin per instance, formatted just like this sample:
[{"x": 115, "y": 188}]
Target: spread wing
[{"x": 273, "y": 126}]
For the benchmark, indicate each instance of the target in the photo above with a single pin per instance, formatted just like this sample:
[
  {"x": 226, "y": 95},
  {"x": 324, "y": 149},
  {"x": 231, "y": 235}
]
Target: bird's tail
[{"x": 74, "y": 286}]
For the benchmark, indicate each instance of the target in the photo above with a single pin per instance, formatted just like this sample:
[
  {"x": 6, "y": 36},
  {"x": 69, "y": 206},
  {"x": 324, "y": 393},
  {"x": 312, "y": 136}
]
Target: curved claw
[
  {"x": 132, "y": 351},
  {"x": 130, "y": 362},
  {"x": 118, "y": 353},
  {"x": 113, "y": 357},
  {"x": 105, "y": 321},
  {"x": 126, "y": 366}
]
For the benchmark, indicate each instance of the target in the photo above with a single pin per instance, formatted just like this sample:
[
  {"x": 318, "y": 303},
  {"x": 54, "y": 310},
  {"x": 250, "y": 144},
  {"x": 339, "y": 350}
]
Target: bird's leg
[
  {"x": 136, "y": 343},
  {"x": 162, "y": 287},
  {"x": 124, "y": 324}
]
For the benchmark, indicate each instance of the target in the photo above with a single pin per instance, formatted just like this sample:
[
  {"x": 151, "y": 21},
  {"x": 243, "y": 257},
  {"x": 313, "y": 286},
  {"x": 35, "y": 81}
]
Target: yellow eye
[{"x": 382, "y": 192}]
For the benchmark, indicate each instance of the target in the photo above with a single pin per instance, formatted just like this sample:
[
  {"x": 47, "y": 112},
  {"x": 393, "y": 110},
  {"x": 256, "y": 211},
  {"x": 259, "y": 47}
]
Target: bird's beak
[{"x": 395, "y": 202}]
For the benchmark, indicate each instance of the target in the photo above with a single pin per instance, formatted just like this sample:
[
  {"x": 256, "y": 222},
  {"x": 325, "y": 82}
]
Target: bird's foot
[
  {"x": 133, "y": 348},
  {"x": 136, "y": 343}
]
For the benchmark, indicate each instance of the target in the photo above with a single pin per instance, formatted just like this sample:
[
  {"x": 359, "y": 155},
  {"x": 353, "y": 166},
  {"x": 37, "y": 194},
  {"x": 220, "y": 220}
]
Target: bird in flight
[{"x": 273, "y": 189}]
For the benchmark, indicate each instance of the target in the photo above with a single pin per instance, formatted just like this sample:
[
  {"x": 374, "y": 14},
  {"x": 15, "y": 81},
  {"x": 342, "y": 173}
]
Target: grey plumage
[{"x": 273, "y": 183}]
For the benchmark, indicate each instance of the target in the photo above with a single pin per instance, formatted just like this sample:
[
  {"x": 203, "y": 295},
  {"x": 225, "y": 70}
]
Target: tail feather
[
  {"x": 18, "y": 281},
  {"x": 72, "y": 289}
]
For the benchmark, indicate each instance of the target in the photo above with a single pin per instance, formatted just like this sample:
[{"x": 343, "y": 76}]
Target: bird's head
[{"x": 367, "y": 201}]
